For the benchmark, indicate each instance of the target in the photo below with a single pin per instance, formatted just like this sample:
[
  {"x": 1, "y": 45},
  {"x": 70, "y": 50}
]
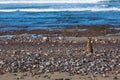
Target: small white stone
[
  {"x": 1, "y": 62},
  {"x": 28, "y": 53},
  {"x": 44, "y": 38}
]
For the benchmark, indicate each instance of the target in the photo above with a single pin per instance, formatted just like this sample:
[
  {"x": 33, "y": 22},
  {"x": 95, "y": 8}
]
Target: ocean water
[{"x": 29, "y": 15}]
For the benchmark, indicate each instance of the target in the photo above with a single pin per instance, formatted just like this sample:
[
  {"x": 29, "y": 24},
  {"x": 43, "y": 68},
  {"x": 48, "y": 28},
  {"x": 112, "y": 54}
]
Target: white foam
[
  {"x": 48, "y": 1},
  {"x": 8, "y": 10},
  {"x": 58, "y": 10}
]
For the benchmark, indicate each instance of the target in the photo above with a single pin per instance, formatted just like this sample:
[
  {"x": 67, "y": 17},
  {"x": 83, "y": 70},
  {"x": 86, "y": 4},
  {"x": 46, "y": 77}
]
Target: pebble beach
[
  {"x": 59, "y": 39},
  {"x": 28, "y": 56}
]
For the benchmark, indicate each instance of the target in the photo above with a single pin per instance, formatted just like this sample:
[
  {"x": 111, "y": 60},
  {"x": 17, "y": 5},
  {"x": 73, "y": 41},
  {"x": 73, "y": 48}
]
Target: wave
[
  {"x": 59, "y": 10},
  {"x": 50, "y": 1}
]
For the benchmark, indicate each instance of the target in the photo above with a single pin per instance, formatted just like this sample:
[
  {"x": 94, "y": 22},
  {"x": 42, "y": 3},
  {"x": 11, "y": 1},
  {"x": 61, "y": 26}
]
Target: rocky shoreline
[
  {"x": 43, "y": 55},
  {"x": 71, "y": 31}
]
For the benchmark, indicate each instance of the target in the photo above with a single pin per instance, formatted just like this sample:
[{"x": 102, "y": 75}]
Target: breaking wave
[
  {"x": 51, "y": 1},
  {"x": 59, "y": 10}
]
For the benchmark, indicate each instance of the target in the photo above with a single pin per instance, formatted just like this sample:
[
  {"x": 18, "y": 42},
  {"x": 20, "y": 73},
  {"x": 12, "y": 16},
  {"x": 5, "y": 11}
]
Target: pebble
[
  {"x": 115, "y": 78},
  {"x": 63, "y": 56}
]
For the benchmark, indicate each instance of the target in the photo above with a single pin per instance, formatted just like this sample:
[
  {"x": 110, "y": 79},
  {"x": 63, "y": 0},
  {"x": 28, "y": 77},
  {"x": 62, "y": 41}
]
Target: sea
[{"x": 57, "y": 14}]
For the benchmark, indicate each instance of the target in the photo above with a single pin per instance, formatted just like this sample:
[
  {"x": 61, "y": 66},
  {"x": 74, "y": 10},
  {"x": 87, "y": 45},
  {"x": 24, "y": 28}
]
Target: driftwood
[{"x": 89, "y": 46}]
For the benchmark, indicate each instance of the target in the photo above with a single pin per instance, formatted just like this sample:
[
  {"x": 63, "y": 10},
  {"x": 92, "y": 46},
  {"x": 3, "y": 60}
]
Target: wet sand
[{"x": 56, "y": 76}]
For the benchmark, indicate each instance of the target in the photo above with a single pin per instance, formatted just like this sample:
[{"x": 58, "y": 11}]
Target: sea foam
[
  {"x": 59, "y": 9},
  {"x": 49, "y": 1}
]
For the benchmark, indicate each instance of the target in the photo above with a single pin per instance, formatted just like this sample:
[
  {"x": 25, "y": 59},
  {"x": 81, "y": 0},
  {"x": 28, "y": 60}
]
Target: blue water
[{"x": 57, "y": 15}]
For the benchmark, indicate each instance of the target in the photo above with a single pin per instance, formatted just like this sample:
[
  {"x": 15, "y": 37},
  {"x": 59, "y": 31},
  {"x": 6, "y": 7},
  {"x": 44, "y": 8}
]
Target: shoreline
[
  {"x": 71, "y": 31},
  {"x": 59, "y": 55}
]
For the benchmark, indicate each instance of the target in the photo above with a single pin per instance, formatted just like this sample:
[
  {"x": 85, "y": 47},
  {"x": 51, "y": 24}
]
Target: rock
[
  {"x": 67, "y": 79},
  {"x": 15, "y": 74},
  {"x": 115, "y": 78},
  {"x": 59, "y": 79},
  {"x": 1, "y": 72}
]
